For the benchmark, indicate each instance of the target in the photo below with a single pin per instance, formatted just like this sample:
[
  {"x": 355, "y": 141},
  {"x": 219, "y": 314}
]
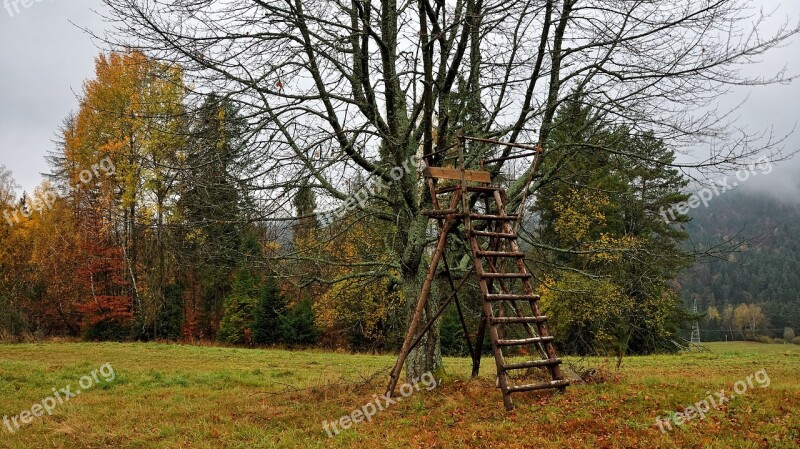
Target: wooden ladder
[
  {"x": 505, "y": 283},
  {"x": 506, "y": 287}
]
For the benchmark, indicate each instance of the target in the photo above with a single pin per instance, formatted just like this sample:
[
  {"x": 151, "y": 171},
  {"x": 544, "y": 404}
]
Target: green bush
[
  {"x": 298, "y": 328},
  {"x": 788, "y": 334},
  {"x": 108, "y": 330},
  {"x": 796, "y": 340},
  {"x": 452, "y": 335},
  {"x": 236, "y": 321},
  {"x": 170, "y": 317},
  {"x": 269, "y": 314},
  {"x": 239, "y": 310},
  {"x": 763, "y": 339}
]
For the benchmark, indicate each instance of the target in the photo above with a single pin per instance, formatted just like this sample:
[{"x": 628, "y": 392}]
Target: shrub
[
  {"x": 796, "y": 340},
  {"x": 297, "y": 327},
  {"x": 170, "y": 321},
  {"x": 452, "y": 335},
  {"x": 107, "y": 330},
  {"x": 788, "y": 334},
  {"x": 235, "y": 325},
  {"x": 239, "y": 309},
  {"x": 763, "y": 339},
  {"x": 271, "y": 310}
]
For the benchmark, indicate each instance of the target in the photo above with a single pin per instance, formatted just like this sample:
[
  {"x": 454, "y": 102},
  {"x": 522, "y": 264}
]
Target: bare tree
[
  {"x": 339, "y": 92},
  {"x": 7, "y": 187}
]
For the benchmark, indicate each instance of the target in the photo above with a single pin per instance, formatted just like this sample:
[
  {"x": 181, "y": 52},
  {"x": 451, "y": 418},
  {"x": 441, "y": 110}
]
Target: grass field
[{"x": 208, "y": 397}]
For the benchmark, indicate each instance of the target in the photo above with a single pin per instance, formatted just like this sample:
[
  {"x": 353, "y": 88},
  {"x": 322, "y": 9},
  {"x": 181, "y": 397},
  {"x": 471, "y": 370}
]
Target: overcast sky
[{"x": 44, "y": 60}]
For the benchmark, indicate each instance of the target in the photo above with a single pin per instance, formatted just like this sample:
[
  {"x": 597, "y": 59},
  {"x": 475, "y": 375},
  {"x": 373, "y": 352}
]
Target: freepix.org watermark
[
  {"x": 48, "y": 198},
  {"x": 15, "y": 7},
  {"x": 713, "y": 401},
  {"x": 47, "y": 405},
  {"x": 360, "y": 198},
  {"x": 379, "y": 404},
  {"x": 763, "y": 166}
]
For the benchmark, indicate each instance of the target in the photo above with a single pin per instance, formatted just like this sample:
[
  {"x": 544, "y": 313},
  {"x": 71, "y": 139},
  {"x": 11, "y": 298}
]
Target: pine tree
[
  {"x": 210, "y": 211},
  {"x": 298, "y": 328},
  {"x": 601, "y": 216},
  {"x": 269, "y": 314},
  {"x": 239, "y": 308}
]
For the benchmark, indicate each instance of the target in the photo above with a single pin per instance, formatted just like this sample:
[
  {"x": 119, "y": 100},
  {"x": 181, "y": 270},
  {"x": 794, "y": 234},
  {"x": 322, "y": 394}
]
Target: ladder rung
[
  {"x": 500, "y": 254},
  {"x": 448, "y": 189},
  {"x": 494, "y": 217},
  {"x": 439, "y": 212},
  {"x": 525, "y": 341},
  {"x": 475, "y": 189},
  {"x": 517, "y": 319},
  {"x": 484, "y": 189},
  {"x": 509, "y": 297},
  {"x": 494, "y": 234},
  {"x": 539, "y": 386},
  {"x": 507, "y": 275},
  {"x": 532, "y": 364}
]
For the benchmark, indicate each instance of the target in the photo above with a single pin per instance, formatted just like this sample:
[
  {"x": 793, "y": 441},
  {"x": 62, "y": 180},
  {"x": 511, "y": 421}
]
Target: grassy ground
[{"x": 206, "y": 397}]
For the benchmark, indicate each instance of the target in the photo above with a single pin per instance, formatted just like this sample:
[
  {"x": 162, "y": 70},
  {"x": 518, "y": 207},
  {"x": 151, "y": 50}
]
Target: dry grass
[{"x": 210, "y": 397}]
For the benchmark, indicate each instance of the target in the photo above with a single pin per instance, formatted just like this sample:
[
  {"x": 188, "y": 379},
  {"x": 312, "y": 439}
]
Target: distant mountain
[{"x": 765, "y": 272}]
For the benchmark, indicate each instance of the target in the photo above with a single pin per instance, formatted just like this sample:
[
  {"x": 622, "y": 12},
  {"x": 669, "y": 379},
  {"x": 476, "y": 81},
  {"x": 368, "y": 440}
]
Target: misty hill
[{"x": 766, "y": 271}]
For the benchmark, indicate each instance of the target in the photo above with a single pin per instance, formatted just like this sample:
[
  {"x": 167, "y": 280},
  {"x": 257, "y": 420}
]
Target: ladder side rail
[
  {"x": 542, "y": 326},
  {"x": 487, "y": 305}
]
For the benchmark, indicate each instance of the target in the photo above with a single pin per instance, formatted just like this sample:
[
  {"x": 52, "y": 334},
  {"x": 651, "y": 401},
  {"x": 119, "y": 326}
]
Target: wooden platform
[{"x": 456, "y": 174}]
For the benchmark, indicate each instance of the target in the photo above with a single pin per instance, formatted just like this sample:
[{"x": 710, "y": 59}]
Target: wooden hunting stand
[{"x": 498, "y": 263}]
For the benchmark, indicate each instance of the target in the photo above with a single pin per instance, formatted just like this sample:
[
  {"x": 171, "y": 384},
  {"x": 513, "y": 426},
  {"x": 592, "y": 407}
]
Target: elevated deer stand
[{"x": 505, "y": 284}]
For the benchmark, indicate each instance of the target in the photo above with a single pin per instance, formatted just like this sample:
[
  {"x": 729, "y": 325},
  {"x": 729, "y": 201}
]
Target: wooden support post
[
  {"x": 422, "y": 301},
  {"x": 476, "y": 358}
]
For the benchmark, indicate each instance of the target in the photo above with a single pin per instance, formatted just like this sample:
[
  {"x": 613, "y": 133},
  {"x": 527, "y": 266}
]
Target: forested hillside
[{"x": 762, "y": 273}]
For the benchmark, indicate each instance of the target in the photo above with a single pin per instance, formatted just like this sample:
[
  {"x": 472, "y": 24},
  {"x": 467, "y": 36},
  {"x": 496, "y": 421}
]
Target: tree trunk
[{"x": 427, "y": 356}]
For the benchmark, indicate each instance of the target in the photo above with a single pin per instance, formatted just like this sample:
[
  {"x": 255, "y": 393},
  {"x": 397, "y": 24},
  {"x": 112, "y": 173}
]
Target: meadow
[{"x": 174, "y": 396}]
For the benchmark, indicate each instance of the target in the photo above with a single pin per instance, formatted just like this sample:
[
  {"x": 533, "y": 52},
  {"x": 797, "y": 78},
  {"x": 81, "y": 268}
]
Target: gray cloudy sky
[{"x": 44, "y": 60}]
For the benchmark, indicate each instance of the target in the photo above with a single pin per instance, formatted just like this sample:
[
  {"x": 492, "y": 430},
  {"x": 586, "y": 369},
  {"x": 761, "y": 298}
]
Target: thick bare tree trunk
[{"x": 427, "y": 356}]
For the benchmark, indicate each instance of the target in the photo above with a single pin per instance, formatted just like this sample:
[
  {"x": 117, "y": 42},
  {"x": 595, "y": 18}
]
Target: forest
[
  {"x": 251, "y": 182},
  {"x": 146, "y": 229},
  {"x": 753, "y": 290}
]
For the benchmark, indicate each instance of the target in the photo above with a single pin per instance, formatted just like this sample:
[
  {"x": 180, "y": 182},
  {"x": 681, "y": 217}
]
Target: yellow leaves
[
  {"x": 361, "y": 302},
  {"x": 578, "y": 212},
  {"x": 365, "y": 302},
  {"x": 713, "y": 313},
  {"x": 586, "y": 297},
  {"x": 272, "y": 246},
  {"x": 196, "y": 236},
  {"x": 581, "y": 216},
  {"x": 611, "y": 249},
  {"x": 594, "y": 309},
  {"x": 749, "y": 318},
  {"x": 130, "y": 111}
]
